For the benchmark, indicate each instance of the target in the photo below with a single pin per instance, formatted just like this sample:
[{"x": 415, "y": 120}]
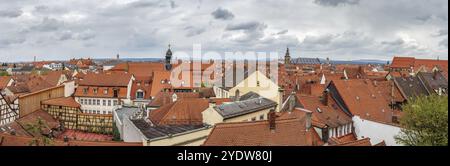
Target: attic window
[
  {"x": 357, "y": 98},
  {"x": 95, "y": 90},
  {"x": 105, "y": 91},
  {"x": 85, "y": 90}
]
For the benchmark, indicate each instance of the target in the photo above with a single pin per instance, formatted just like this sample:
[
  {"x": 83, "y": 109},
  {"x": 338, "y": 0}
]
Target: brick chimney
[
  {"x": 291, "y": 102},
  {"x": 308, "y": 120},
  {"x": 325, "y": 96},
  {"x": 272, "y": 117}
]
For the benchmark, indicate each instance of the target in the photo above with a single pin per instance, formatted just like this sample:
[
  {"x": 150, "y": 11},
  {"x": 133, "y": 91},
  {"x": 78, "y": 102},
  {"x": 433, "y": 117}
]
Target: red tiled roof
[
  {"x": 288, "y": 132},
  {"x": 4, "y": 80},
  {"x": 84, "y": 136},
  {"x": 183, "y": 111},
  {"x": 402, "y": 62},
  {"x": 9, "y": 140},
  {"x": 106, "y": 79},
  {"x": 362, "y": 142},
  {"x": 164, "y": 98},
  {"x": 100, "y": 92},
  {"x": 367, "y": 99},
  {"x": 139, "y": 69},
  {"x": 65, "y": 101},
  {"x": 329, "y": 114},
  {"x": 141, "y": 84},
  {"x": 160, "y": 81}
]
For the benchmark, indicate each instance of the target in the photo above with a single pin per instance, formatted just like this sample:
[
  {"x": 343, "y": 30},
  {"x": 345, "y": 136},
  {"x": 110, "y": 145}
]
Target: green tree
[
  {"x": 425, "y": 122},
  {"x": 116, "y": 133},
  {"x": 37, "y": 129}
]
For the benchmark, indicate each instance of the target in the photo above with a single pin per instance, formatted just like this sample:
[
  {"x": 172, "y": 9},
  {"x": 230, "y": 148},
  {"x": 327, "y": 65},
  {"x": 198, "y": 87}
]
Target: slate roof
[
  {"x": 433, "y": 81},
  {"x": 238, "y": 108},
  {"x": 155, "y": 132},
  {"x": 309, "y": 61},
  {"x": 410, "y": 87}
]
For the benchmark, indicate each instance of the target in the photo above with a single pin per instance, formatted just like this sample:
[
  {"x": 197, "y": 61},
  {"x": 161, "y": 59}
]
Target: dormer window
[
  {"x": 95, "y": 90},
  {"x": 116, "y": 93},
  {"x": 140, "y": 94},
  {"x": 85, "y": 91},
  {"x": 105, "y": 91}
]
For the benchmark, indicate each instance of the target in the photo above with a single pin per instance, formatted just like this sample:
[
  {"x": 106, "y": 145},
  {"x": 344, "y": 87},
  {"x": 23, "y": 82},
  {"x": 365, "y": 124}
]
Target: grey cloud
[
  {"x": 11, "y": 13},
  {"x": 48, "y": 24},
  {"x": 69, "y": 35},
  {"x": 442, "y": 32},
  {"x": 335, "y": 3},
  {"x": 252, "y": 25},
  {"x": 11, "y": 39},
  {"x": 395, "y": 42},
  {"x": 282, "y": 32},
  {"x": 173, "y": 5},
  {"x": 444, "y": 43},
  {"x": 145, "y": 4},
  {"x": 222, "y": 14},
  {"x": 193, "y": 31}
]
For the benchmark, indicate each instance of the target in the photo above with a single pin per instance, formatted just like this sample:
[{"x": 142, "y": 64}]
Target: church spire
[
  {"x": 168, "y": 59},
  {"x": 287, "y": 57}
]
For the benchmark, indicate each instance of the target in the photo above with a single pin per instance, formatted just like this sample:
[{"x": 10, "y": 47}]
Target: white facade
[
  {"x": 69, "y": 88},
  {"x": 377, "y": 132},
  {"x": 340, "y": 131},
  {"x": 53, "y": 66},
  {"x": 129, "y": 132},
  {"x": 220, "y": 92},
  {"x": 98, "y": 105}
]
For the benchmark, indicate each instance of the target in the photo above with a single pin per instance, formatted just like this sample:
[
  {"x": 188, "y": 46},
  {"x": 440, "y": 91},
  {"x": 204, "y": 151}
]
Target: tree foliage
[
  {"x": 425, "y": 122},
  {"x": 37, "y": 130}
]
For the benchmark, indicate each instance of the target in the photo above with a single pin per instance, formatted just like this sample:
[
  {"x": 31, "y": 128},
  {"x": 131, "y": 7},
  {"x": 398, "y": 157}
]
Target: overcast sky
[{"x": 339, "y": 29}]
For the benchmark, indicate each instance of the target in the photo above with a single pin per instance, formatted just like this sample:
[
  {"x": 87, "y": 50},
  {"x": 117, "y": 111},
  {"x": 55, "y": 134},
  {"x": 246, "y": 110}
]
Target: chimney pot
[
  {"x": 308, "y": 120},
  {"x": 272, "y": 118},
  {"x": 325, "y": 97}
]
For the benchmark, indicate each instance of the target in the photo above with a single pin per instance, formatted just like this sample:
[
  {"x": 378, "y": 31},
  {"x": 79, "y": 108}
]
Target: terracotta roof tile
[
  {"x": 106, "y": 79},
  {"x": 182, "y": 111},
  {"x": 65, "y": 101},
  {"x": 367, "y": 99},
  {"x": 288, "y": 132}
]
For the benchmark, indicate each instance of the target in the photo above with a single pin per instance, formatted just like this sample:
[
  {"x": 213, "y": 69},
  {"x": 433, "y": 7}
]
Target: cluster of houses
[{"x": 313, "y": 103}]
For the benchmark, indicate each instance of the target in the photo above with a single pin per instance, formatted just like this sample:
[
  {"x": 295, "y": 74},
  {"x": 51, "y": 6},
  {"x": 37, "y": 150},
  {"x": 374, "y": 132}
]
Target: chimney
[
  {"x": 325, "y": 97},
  {"x": 308, "y": 120},
  {"x": 237, "y": 95},
  {"x": 435, "y": 73},
  {"x": 280, "y": 98},
  {"x": 292, "y": 102},
  {"x": 272, "y": 117}
]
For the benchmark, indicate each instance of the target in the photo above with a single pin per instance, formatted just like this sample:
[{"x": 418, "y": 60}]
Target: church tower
[
  {"x": 287, "y": 57},
  {"x": 168, "y": 66}
]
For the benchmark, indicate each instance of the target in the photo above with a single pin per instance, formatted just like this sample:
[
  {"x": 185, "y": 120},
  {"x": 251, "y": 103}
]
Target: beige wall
[
  {"x": 32, "y": 102},
  {"x": 212, "y": 117},
  {"x": 267, "y": 88},
  {"x": 196, "y": 138},
  {"x": 248, "y": 117}
]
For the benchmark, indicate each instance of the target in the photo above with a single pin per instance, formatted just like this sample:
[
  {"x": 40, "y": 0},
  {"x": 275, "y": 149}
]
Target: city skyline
[{"x": 339, "y": 29}]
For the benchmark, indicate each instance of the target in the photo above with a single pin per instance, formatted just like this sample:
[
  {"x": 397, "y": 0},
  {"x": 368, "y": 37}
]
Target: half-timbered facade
[
  {"x": 7, "y": 113},
  {"x": 69, "y": 113}
]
